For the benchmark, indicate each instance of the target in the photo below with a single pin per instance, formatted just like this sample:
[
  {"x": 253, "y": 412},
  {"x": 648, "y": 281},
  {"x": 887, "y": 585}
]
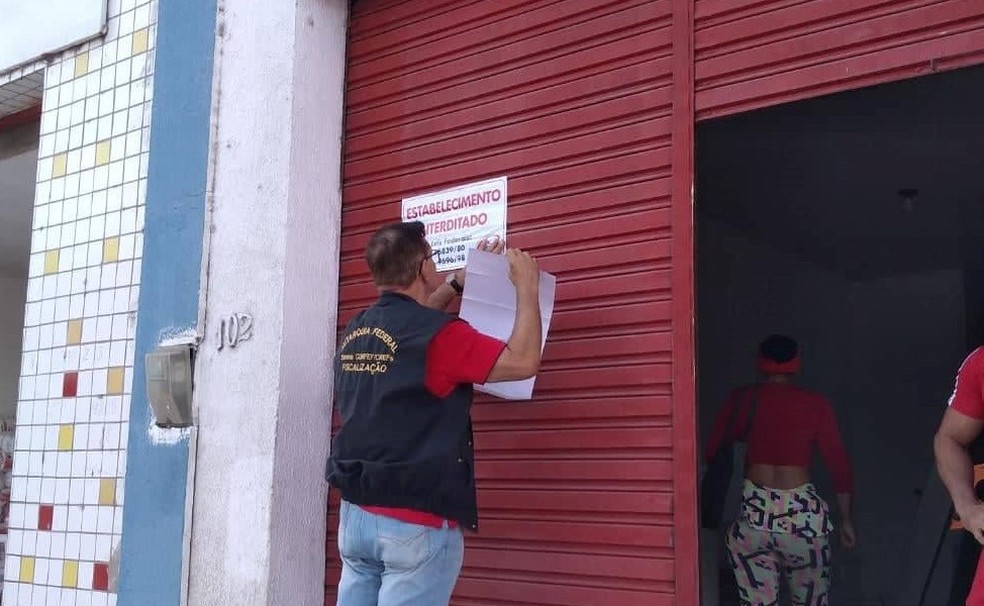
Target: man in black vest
[{"x": 403, "y": 458}]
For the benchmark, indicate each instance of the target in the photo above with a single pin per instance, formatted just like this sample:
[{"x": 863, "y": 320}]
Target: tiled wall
[{"x": 76, "y": 378}]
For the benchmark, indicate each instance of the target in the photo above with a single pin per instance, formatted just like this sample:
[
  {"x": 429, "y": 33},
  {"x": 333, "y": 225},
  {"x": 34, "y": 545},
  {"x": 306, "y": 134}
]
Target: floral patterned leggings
[{"x": 781, "y": 533}]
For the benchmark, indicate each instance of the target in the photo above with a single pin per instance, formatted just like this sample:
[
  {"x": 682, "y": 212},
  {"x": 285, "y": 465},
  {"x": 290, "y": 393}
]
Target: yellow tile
[
  {"x": 59, "y": 165},
  {"x": 114, "y": 381},
  {"x": 51, "y": 262},
  {"x": 74, "y": 332},
  {"x": 141, "y": 41},
  {"x": 70, "y": 574},
  {"x": 102, "y": 152},
  {"x": 81, "y": 64},
  {"x": 27, "y": 570},
  {"x": 107, "y": 491},
  {"x": 111, "y": 250},
  {"x": 66, "y": 437}
]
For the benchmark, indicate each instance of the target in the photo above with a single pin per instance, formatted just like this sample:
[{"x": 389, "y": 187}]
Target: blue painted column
[{"x": 157, "y": 471}]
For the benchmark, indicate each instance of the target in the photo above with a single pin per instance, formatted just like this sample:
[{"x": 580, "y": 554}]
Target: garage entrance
[{"x": 855, "y": 223}]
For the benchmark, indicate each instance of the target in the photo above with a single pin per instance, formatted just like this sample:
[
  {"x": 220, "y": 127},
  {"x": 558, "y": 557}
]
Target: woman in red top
[{"x": 783, "y": 526}]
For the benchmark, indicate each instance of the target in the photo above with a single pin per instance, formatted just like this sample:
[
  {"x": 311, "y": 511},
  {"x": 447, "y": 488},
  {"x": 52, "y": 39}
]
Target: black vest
[{"x": 399, "y": 445}]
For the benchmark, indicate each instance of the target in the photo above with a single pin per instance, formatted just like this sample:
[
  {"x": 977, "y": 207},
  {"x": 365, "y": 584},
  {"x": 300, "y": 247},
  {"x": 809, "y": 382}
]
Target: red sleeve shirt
[
  {"x": 790, "y": 422},
  {"x": 459, "y": 354},
  {"x": 968, "y": 393}
]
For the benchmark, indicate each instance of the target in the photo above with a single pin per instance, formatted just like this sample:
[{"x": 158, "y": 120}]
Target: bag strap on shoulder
[{"x": 751, "y": 412}]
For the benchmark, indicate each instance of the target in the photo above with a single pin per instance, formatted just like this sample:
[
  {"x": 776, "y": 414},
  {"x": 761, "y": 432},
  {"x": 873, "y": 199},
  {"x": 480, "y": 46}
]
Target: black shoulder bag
[{"x": 720, "y": 488}]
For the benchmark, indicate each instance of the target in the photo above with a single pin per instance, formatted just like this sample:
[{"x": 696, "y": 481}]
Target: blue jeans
[{"x": 386, "y": 562}]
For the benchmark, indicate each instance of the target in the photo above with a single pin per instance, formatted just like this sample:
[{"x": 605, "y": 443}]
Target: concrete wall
[
  {"x": 884, "y": 351},
  {"x": 908, "y": 338},
  {"x": 13, "y": 291},
  {"x": 258, "y": 529},
  {"x": 70, "y": 463}
]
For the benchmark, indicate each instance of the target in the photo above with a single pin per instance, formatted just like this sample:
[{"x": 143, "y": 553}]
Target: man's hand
[
  {"x": 972, "y": 519},
  {"x": 848, "y": 536},
  {"x": 523, "y": 270},
  {"x": 494, "y": 245}
]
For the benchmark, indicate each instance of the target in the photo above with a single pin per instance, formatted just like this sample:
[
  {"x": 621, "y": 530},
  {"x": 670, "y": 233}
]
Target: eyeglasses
[{"x": 426, "y": 258}]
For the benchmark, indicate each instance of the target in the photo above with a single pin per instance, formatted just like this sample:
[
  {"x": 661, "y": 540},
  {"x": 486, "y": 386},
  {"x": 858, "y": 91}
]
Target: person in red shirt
[
  {"x": 962, "y": 424},
  {"x": 403, "y": 458},
  {"x": 783, "y": 525}
]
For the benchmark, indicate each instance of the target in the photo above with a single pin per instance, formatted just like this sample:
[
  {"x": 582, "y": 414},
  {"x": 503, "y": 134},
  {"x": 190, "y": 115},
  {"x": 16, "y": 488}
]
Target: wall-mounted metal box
[{"x": 170, "y": 385}]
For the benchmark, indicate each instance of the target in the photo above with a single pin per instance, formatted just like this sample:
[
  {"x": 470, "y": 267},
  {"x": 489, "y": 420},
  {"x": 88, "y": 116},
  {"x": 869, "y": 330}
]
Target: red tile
[
  {"x": 46, "y": 514},
  {"x": 100, "y": 577},
  {"x": 70, "y": 385}
]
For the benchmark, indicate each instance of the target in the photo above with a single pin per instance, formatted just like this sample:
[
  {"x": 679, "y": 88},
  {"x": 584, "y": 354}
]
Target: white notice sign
[
  {"x": 457, "y": 219},
  {"x": 489, "y": 305}
]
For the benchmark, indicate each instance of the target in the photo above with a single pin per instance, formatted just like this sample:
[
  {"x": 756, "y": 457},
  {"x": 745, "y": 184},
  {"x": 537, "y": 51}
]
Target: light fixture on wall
[{"x": 908, "y": 196}]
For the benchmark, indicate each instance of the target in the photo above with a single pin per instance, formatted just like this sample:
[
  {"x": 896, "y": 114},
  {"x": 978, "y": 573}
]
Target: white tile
[
  {"x": 114, "y": 412},
  {"x": 43, "y": 549},
  {"x": 91, "y": 83},
  {"x": 61, "y": 315},
  {"x": 113, "y": 220},
  {"x": 47, "y": 338},
  {"x": 73, "y": 544},
  {"x": 75, "y": 138},
  {"x": 82, "y": 409},
  {"x": 40, "y": 574},
  {"x": 49, "y": 436},
  {"x": 96, "y": 441},
  {"x": 75, "y": 519},
  {"x": 15, "y": 539},
  {"x": 67, "y": 235},
  {"x": 64, "y": 464},
  {"x": 26, "y": 387},
  {"x": 121, "y": 324},
  {"x": 72, "y": 185},
  {"x": 121, "y": 123},
  {"x": 47, "y": 315},
  {"x": 17, "y": 515},
  {"x": 48, "y": 486},
  {"x": 61, "y": 491},
  {"x": 88, "y": 552},
  {"x": 33, "y": 493},
  {"x": 123, "y": 71},
  {"x": 18, "y": 486},
  {"x": 77, "y": 491},
  {"x": 80, "y": 442},
  {"x": 111, "y": 439},
  {"x": 99, "y": 377},
  {"x": 133, "y": 169},
  {"x": 57, "y": 545},
  {"x": 97, "y": 412},
  {"x": 35, "y": 463},
  {"x": 116, "y": 173},
  {"x": 117, "y": 353},
  {"x": 109, "y": 466},
  {"x": 87, "y": 180},
  {"x": 104, "y": 522}
]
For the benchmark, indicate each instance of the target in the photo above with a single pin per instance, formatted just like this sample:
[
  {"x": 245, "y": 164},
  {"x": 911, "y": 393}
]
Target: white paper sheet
[{"x": 489, "y": 305}]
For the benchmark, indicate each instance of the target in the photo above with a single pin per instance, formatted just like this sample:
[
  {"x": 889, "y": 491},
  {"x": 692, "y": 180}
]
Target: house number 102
[{"x": 234, "y": 330}]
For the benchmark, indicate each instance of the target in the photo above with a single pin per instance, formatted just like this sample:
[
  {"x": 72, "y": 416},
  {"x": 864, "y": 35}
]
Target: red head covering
[{"x": 771, "y": 367}]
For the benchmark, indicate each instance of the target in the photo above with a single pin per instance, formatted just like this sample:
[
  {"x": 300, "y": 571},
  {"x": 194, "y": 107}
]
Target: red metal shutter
[
  {"x": 572, "y": 100},
  {"x": 753, "y": 54}
]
